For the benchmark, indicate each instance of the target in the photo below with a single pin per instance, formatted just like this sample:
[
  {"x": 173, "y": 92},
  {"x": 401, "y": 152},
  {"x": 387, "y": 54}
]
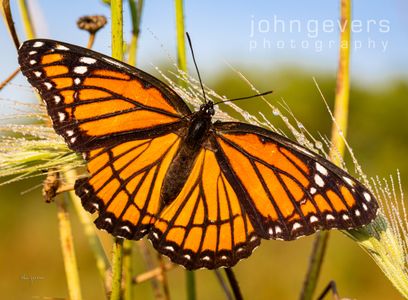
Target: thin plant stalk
[
  {"x": 152, "y": 274},
  {"x": 223, "y": 284},
  {"x": 91, "y": 40},
  {"x": 25, "y": 16},
  {"x": 117, "y": 29},
  {"x": 191, "y": 285},
  {"x": 150, "y": 265},
  {"x": 128, "y": 269},
  {"x": 136, "y": 8},
  {"x": 181, "y": 40},
  {"x": 102, "y": 261},
  {"x": 341, "y": 102},
  {"x": 339, "y": 129},
  {"x": 234, "y": 284},
  {"x": 117, "y": 261},
  {"x": 9, "y": 78},
  {"x": 182, "y": 65},
  {"x": 163, "y": 278},
  {"x": 8, "y": 18},
  {"x": 68, "y": 251},
  {"x": 117, "y": 52}
]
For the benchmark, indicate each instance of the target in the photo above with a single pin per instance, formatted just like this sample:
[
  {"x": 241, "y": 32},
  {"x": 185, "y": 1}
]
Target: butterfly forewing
[{"x": 92, "y": 98}]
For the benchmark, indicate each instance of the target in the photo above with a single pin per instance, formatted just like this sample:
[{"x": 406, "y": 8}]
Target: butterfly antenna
[
  {"x": 195, "y": 64},
  {"x": 243, "y": 98}
]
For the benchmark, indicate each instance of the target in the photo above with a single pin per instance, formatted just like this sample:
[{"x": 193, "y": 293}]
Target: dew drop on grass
[{"x": 319, "y": 145}]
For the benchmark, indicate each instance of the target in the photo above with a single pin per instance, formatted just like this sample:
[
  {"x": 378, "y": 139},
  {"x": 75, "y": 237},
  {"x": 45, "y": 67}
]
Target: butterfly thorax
[{"x": 182, "y": 164}]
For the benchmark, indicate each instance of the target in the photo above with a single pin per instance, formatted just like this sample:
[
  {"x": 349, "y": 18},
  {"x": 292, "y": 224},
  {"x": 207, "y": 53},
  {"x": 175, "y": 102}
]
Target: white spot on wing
[
  {"x": 72, "y": 140},
  {"x": 37, "y": 73},
  {"x": 367, "y": 196},
  {"x": 77, "y": 81},
  {"x": 319, "y": 181},
  {"x": 253, "y": 238},
  {"x": 108, "y": 220},
  {"x": 345, "y": 217},
  {"x": 206, "y": 258},
  {"x": 170, "y": 248},
  {"x": 87, "y": 60},
  {"x": 32, "y": 52},
  {"x": 365, "y": 206},
  {"x": 357, "y": 212},
  {"x": 329, "y": 217},
  {"x": 125, "y": 228},
  {"x": 296, "y": 225},
  {"x": 32, "y": 62},
  {"x": 80, "y": 69},
  {"x": 70, "y": 132},
  {"x": 48, "y": 85},
  {"x": 313, "y": 190},
  {"x": 155, "y": 235},
  {"x": 348, "y": 181},
  {"x": 270, "y": 231},
  {"x": 38, "y": 44},
  {"x": 57, "y": 99},
  {"x": 321, "y": 169},
  {"x": 313, "y": 219},
  {"x": 96, "y": 205},
  {"x": 187, "y": 256},
  {"x": 61, "y": 47},
  {"x": 61, "y": 116},
  {"x": 278, "y": 230}
]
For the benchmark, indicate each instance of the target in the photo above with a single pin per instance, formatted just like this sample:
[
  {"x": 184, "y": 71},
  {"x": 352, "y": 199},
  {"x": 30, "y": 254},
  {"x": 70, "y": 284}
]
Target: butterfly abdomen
[{"x": 185, "y": 158}]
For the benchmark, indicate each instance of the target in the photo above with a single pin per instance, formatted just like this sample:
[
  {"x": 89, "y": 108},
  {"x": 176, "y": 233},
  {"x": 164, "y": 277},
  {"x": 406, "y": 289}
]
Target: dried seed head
[{"x": 91, "y": 23}]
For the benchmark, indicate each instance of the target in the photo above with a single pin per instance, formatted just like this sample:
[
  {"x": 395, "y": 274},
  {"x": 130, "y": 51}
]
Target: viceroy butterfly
[{"x": 204, "y": 192}]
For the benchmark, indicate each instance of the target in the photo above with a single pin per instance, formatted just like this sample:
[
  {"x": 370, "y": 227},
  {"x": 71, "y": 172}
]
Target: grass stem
[
  {"x": 117, "y": 52},
  {"x": 9, "y": 78},
  {"x": 27, "y": 23},
  {"x": 68, "y": 250},
  {"x": 117, "y": 260},
  {"x": 234, "y": 284},
  {"x": 339, "y": 130},
  {"x": 135, "y": 8},
  {"x": 181, "y": 39}
]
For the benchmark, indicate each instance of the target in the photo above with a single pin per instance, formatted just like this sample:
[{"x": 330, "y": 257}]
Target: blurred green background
[{"x": 378, "y": 134}]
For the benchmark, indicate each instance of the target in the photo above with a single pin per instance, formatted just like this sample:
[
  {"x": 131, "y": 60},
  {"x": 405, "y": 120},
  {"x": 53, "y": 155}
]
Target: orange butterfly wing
[
  {"x": 93, "y": 99},
  {"x": 206, "y": 225},
  {"x": 125, "y": 184},
  {"x": 287, "y": 190},
  {"x": 122, "y": 119}
]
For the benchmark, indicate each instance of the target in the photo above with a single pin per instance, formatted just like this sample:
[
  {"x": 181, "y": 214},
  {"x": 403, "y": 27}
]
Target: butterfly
[{"x": 205, "y": 193}]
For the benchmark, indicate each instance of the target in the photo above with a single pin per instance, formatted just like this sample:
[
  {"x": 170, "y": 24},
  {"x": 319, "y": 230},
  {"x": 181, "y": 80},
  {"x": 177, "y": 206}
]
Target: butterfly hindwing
[
  {"x": 93, "y": 99},
  {"x": 206, "y": 225},
  {"x": 125, "y": 184},
  {"x": 290, "y": 191}
]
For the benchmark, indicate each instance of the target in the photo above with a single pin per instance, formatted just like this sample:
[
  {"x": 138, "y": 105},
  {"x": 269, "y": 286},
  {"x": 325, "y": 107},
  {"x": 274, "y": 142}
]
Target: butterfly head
[{"x": 208, "y": 108}]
